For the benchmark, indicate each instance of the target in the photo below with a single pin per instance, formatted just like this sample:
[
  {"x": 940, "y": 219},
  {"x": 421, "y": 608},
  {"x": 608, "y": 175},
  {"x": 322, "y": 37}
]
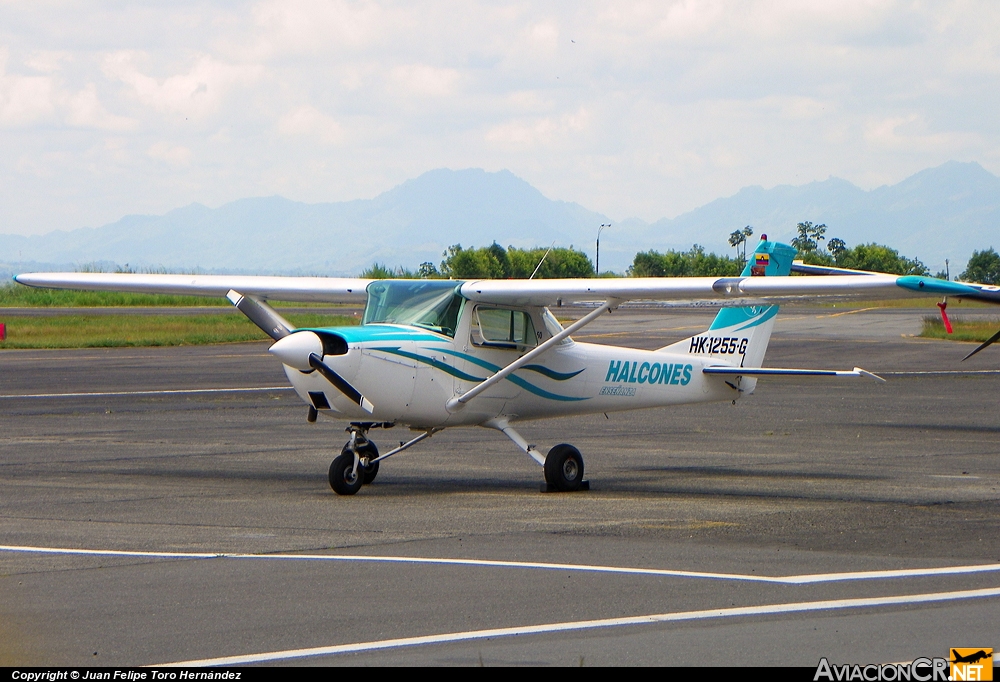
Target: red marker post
[
  {"x": 944, "y": 316},
  {"x": 3, "y": 331}
]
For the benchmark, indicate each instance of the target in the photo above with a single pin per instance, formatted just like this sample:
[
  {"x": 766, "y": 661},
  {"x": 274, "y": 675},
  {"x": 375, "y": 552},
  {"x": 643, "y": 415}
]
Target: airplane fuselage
[{"x": 410, "y": 374}]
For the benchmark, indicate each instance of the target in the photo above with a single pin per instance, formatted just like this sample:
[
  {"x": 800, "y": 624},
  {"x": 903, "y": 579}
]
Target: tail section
[{"x": 739, "y": 336}]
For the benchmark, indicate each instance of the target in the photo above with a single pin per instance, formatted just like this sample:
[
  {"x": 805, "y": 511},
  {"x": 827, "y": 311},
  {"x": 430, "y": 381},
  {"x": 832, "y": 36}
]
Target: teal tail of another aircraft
[{"x": 739, "y": 336}]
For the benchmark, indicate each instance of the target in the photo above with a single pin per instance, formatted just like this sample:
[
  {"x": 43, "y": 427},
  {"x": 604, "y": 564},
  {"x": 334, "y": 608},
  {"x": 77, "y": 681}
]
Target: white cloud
[
  {"x": 24, "y": 99},
  {"x": 309, "y": 122},
  {"x": 199, "y": 92},
  {"x": 171, "y": 154},
  {"x": 630, "y": 107},
  {"x": 84, "y": 110},
  {"x": 910, "y": 134},
  {"x": 424, "y": 80},
  {"x": 545, "y": 131},
  {"x": 307, "y": 26}
]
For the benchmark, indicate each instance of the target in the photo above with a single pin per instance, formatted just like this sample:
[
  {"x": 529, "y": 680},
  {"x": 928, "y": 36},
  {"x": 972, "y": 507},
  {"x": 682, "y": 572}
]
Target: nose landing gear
[{"x": 357, "y": 464}]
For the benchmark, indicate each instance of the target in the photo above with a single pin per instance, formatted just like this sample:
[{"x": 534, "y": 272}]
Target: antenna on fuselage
[{"x": 541, "y": 261}]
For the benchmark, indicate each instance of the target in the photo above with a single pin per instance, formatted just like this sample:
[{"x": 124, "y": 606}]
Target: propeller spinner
[
  {"x": 303, "y": 350},
  {"x": 306, "y": 350}
]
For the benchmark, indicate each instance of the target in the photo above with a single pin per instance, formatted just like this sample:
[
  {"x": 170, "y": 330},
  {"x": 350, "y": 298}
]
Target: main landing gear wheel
[
  {"x": 367, "y": 453},
  {"x": 564, "y": 469},
  {"x": 343, "y": 478}
]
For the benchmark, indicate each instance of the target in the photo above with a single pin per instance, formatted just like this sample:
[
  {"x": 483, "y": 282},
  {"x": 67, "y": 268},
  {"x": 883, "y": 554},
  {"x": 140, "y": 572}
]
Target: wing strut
[{"x": 459, "y": 401}]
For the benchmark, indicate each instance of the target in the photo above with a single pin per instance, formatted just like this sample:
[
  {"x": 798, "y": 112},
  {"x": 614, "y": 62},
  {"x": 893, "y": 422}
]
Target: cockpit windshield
[{"x": 431, "y": 304}]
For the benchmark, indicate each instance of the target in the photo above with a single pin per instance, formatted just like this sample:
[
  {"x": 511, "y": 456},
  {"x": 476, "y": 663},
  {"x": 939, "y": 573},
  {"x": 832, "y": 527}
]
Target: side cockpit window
[{"x": 503, "y": 328}]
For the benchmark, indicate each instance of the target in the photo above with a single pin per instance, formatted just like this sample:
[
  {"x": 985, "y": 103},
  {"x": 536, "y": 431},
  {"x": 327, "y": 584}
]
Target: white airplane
[{"x": 433, "y": 354}]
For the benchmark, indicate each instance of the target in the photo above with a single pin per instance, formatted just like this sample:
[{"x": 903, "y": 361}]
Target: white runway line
[
  {"x": 180, "y": 391},
  {"x": 942, "y": 372},
  {"x": 738, "y": 612},
  {"x": 804, "y": 579}
]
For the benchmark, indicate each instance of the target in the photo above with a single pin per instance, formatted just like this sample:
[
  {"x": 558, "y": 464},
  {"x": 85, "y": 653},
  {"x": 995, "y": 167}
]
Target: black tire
[
  {"x": 342, "y": 477},
  {"x": 564, "y": 468},
  {"x": 371, "y": 452}
]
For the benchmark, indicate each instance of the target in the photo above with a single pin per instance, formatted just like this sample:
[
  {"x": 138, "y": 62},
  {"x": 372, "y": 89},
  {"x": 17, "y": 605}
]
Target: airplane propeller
[
  {"x": 307, "y": 350},
  {"x": 340, "y": 383},
  {"x": 261, "y": 314},
  {"x": 990, "y": 341}
]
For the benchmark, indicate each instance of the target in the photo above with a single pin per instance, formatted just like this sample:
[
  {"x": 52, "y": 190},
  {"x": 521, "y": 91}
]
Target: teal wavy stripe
[
  {"x": 531, "y": 388},
  {"x": 433, "y": 363},
  {"x": 473, "y": 359},
  {"x": 551, "y": 373},
  {"x": 768, "y": 314},
  {"x": 516, "y": 380}
]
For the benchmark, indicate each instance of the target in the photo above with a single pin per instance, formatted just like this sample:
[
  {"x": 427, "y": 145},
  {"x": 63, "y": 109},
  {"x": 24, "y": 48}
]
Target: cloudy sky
[{"x": 637, "y": 108}]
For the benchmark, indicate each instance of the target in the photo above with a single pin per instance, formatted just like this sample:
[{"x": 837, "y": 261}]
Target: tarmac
[{"x": 171, "y": 505}]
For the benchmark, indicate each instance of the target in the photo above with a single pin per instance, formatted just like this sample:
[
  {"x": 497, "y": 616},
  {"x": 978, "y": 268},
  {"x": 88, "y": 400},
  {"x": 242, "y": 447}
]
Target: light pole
[{"x": 597, "y": 268}]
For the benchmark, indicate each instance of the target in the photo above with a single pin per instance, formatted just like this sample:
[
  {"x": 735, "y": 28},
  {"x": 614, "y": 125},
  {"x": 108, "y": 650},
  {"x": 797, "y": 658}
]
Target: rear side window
[{"x": 502, "y": 327}]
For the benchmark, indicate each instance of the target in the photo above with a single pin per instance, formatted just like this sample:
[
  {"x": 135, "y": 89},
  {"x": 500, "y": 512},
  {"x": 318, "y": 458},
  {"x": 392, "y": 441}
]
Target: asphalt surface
[{"x": 805, "y": 477}]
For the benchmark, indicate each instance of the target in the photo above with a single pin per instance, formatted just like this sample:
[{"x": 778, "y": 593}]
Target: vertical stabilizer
[{"x": 739, "y": 336}]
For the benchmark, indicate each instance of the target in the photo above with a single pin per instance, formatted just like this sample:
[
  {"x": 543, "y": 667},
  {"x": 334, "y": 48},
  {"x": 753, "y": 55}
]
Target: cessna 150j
[{"x": 432, "y": 354}]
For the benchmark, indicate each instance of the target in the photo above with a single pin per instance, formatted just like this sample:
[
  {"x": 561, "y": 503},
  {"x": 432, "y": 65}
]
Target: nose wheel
[{"x": 345, "y": 478}]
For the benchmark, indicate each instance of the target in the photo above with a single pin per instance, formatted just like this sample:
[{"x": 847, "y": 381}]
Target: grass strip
[
  {"x": 964, "y": 330},
  {"x": 20, "y": 296},
  {"x": 112, "y": 331}
]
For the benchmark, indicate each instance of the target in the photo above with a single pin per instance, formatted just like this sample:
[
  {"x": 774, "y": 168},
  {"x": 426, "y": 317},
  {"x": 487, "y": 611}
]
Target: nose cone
[{"x": 294, "y": 350}]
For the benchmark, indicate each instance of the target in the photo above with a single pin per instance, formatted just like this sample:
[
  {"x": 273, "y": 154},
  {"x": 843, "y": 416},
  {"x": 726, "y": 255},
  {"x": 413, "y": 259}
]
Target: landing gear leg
[{"x": 562, "y": 466}]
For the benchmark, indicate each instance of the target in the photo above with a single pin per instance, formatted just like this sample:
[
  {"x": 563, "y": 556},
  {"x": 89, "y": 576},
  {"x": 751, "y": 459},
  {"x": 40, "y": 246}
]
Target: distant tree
[
  {"x": 378, "y": 271},
  {"x": 500, "y": 255},
  {"x": 809, "y": 237},
  {"x": 983, "y": 267},
  {"x": 559, "y": 263},
  {"x": 428, "y": 271},
  {"x": 880, "y": 258},
  {"x": 693, "y": 263},
  {"x": 494, "y": 262},
  {"x": 462, "y": 263},
  {"x": 818, "y": 257},
  {"x": 739, "y": 238},
  {"x": 836, "y": 246}
]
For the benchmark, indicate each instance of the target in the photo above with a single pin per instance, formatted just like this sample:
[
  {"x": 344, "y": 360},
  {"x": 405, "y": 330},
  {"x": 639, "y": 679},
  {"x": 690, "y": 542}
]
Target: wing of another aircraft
[{"x": 769, "y": 289}]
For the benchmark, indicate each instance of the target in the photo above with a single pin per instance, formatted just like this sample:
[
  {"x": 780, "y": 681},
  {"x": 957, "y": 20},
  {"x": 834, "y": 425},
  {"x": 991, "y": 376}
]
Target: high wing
[
  {"x": 532, "y": 292},
  {"x": 297, "y": 289}
]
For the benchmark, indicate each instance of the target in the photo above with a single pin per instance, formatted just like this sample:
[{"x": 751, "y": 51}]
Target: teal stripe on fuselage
[
  {"x": 436, "y": 364},
  {"x": 375, "y": 333},
  {"x": 516, "y": 380},
  {"x": 551, "y": 373}
]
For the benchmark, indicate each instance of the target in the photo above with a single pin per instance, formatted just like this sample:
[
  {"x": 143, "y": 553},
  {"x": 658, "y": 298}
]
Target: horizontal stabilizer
[{"x": 783, "y": 372}]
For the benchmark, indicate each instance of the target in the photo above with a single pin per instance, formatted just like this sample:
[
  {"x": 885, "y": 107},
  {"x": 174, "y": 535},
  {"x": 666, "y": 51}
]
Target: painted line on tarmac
[
  {"x": 804, "y": 579},
  {"x": 943, "y": 372},
  {"x": 122, "y": 394},
  {"x": 471, "y": 635}
]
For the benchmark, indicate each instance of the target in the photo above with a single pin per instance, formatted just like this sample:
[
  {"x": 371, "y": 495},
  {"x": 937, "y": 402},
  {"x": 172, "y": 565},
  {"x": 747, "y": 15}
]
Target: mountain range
[{"x": 938, "y": 213}]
